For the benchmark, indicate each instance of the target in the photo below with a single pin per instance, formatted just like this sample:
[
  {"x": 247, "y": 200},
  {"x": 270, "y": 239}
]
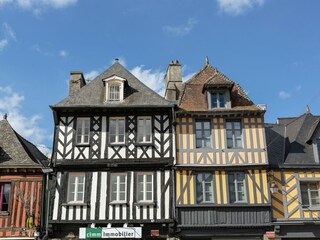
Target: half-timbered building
[
  {"x": 21, "y": 185},
  {"x": 221, "y": 159},
  {"x": 294, "y": 150},
  {"x": 113, "y": 158}
]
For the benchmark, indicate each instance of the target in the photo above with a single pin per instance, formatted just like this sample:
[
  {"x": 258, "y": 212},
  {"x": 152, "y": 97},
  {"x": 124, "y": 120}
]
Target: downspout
[
  {"x": 174, "y": 164},
  {"x": 47, "y": 171}
]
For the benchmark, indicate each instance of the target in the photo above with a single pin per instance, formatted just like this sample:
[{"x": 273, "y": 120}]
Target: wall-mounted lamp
[{"x": 274, "y": 188}]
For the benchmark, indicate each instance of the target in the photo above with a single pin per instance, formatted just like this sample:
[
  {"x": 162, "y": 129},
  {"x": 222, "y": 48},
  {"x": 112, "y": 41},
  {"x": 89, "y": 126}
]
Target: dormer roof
[
  {"x": 16, "y": 151},
  {"x": 289, "y": 142},
  {"x": 136, "y": 93},
  {"x": 193, "y": 95}
]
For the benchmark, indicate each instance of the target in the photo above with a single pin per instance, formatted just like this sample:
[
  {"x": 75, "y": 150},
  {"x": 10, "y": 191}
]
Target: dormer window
[
  {"x": 114, "y": 88},
  {"x": 218, "y": 99},
  {"x": 114, "y": 93}
]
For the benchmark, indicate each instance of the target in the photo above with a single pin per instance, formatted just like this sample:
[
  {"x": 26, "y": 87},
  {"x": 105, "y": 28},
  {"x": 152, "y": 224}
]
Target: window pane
[
  {"x": 304, "y": 194},
  {"x": 199, "y": 189},
  {"x": 229, "y": 143}
]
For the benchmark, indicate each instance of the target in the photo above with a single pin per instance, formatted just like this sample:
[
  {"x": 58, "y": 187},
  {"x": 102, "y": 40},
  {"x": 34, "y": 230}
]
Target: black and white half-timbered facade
[{"x": 113, "y": 158}]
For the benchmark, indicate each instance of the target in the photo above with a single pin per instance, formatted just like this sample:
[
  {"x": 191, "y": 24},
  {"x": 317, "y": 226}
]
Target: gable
[{"x": 135, "y": 92}]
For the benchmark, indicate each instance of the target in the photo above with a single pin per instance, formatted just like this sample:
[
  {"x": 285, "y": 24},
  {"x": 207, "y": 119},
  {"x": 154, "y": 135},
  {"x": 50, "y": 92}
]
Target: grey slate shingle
[
  {"x": 15, "y": 151},
  {"x": 288, "y": 141},
  {"x": 135, "y": 94}
]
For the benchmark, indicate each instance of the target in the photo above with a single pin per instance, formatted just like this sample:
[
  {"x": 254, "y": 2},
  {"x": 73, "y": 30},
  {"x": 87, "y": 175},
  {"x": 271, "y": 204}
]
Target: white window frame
[
  {"x": 309, "y": 193},
  {"x": 203, "y": 187},
  {"x": 144, "y": 190},
  {"x": 117, "y": 134},
  {"x": 114, "y": 81},
  {"x": 144, "y": 133},
  {"x": 114, "y": 92},
  {"x": 118, "y": 200},
  {"x": 235, "y": 183},
  {"x": 81, "y": 123},
  {"x": 76, "y": 187}
]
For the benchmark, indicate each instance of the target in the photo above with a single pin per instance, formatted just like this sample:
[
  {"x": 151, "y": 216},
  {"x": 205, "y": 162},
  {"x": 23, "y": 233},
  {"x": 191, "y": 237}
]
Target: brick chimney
[
  {"x": 173, "y": 81},
  {"x": 76, "y": 82}
]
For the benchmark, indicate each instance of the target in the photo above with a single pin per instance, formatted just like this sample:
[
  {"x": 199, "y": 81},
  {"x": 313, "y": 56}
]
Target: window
[
  {"x": 203, "y": 134},
  {"x": 114, "y": 88},
  {"x": 83, "y": 129},
  {"x": 114, "y": 92},
  {"x": 310, "y": 194},
  {"x": 234, "y": 134},
  {"x": 118, "y": 187},
  {"x": 76, "y": 187},
  {"x": 145, "y": 187},
  {"x": 144, "y": 129},
  {"x": 237, "y": 187},
  {"x": 204, "y": 186},
  {"x": 117, "y": 130},
  {"x": 5, "y": 189},
  {"x": 218, "y": 100}
]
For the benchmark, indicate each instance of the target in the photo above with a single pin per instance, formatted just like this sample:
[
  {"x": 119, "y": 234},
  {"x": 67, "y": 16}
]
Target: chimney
[
  {"x": 76, "y": 82},
  {"x": 173, "y": 81}
]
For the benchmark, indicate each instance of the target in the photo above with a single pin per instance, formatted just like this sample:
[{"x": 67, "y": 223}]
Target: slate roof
[
  {"x": 136, "y": 94},
  {"x": 288, "y": 141},
  {"x": 17, "y": 152},
  {"x": 193, "y": 97}
]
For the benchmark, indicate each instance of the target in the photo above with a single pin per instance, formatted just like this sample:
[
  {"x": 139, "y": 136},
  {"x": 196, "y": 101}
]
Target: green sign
[{"x": 93, "y": 232}]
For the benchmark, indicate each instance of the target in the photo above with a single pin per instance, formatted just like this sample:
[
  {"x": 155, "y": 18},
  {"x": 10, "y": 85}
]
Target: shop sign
[{"x": 128, "y": 232}]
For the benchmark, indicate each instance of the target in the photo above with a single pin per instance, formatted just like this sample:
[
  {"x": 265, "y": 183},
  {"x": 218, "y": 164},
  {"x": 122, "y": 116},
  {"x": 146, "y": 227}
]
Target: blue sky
[{"x": 270, "y": 47}]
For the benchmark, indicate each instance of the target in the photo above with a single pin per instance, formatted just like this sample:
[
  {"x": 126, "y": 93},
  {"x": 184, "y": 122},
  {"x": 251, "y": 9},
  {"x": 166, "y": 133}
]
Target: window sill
[
  {"x": 315, "y": 208},
  {"x": 143, "y": 144},
  {"x": 118, "y": 203},
  {"x": 75, "y": 204},
  {"x": 117, "y": 144},
  {"x": 145, "y": 203},
  {"x": 82, "y": 144},
  {"x": 4, "y": 213}
]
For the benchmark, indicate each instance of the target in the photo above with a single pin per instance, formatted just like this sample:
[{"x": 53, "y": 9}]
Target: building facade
[
  {"x": 221, "y": 159},
  {"x": 113, "y": 159},
  {"x": 294, "y": 150},
  {"x": 21, "y": 185}
]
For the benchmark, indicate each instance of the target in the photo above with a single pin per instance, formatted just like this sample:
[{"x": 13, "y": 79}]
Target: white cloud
[
  {"x": 63, "y": 53},
  {"x": 8, "y": 32},
  {"x": 3, "y": 43},
  {"x": 154, "y": 79},
  {"x": 8, "y": 35},
  {"x": 237, "y": 7},
  {"x": 11, "y": 103},
  {"x": 181, "y": 30},
  {"x": 284, "y": 94},
  {"x": 38, "y": 6},
  {"x": 3, "y": 2},
  {"x": 91, "y": 75}
]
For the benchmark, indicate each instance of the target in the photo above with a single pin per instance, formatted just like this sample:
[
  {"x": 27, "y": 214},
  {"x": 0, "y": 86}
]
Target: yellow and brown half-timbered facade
[
  {"x": 293, "y": 149},
  {"x": 221, "y": 169}
]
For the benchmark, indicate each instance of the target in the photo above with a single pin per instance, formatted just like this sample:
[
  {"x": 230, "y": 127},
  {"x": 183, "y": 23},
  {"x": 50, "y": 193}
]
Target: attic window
[
  {"x": 218, "y": 99},
  {"x": 114, "y": 88},
  {"x": 114, "y": 92}
]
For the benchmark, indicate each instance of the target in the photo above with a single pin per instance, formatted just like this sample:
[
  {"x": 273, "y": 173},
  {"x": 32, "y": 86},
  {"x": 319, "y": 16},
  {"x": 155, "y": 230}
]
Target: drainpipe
[{"x": 47, "y": 171}]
